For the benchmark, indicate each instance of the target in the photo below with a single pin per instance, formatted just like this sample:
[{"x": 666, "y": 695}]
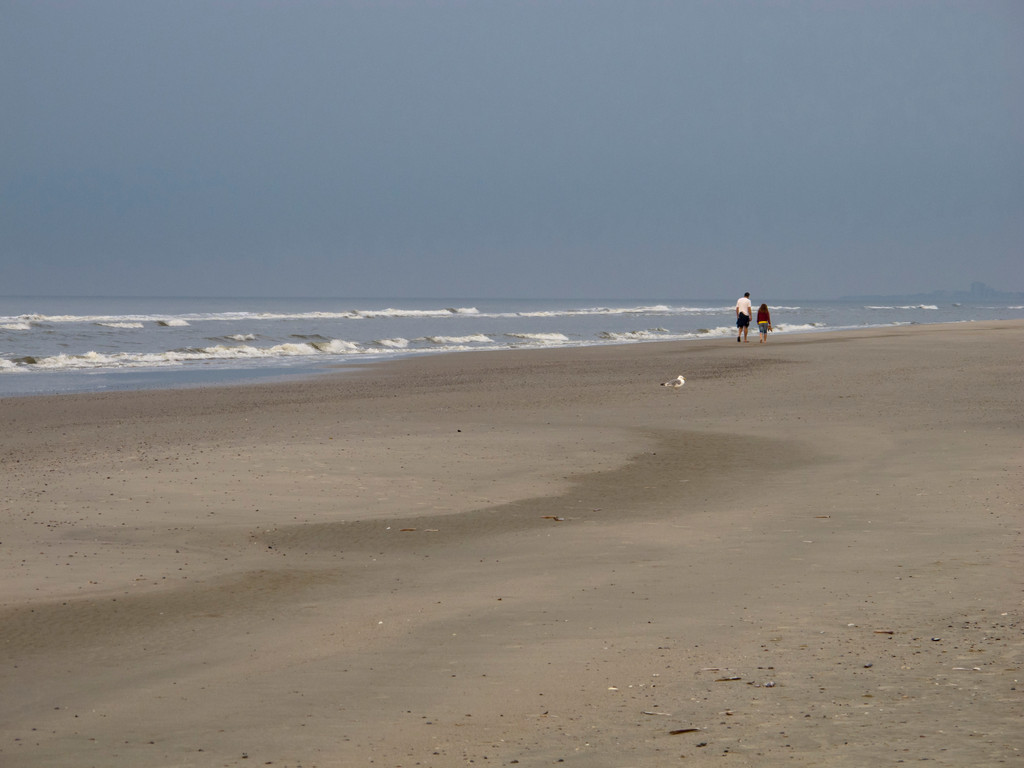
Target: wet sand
[{"x": 808, "y": 555}]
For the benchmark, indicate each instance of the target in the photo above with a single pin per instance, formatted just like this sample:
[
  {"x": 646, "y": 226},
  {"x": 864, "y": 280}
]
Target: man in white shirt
[{"x": 743, "y": 313}]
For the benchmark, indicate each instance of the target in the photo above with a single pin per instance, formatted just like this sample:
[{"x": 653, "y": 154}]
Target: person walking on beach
[
  {"x": 743, "y": 313},
  {"x": 764, "y": 322}
]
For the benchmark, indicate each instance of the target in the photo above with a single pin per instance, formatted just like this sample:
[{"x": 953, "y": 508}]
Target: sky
[{"x": 510, "y": 149}]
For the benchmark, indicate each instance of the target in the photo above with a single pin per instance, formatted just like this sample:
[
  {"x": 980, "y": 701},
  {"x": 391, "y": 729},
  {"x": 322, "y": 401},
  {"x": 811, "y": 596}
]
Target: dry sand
[{"x": 809, "y": 555}]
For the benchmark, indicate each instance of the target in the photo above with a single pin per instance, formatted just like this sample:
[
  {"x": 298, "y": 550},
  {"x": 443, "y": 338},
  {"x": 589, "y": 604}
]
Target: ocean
[{"x": 68, "y": 345}]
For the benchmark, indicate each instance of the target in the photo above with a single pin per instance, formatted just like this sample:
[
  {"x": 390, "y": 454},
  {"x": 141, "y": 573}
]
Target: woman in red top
[{"x": 764, "y": 322}]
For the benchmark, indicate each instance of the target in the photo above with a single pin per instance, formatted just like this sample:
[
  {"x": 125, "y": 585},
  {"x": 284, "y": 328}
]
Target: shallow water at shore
[{"x": 60, "y": 345}]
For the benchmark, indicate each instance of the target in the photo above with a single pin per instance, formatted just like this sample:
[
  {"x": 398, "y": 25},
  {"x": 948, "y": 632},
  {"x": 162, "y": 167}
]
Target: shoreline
[
  {"x": 810, "y": 553},
  {"x": 195, "y": 378}
]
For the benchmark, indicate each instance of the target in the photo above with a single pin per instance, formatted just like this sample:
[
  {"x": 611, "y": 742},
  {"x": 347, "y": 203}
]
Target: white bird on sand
[{"x": 677, "y": 382}]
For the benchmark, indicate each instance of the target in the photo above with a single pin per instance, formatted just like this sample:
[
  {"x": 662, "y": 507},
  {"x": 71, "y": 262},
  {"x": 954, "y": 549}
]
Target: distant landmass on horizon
[{"x": 977, "y": 292}]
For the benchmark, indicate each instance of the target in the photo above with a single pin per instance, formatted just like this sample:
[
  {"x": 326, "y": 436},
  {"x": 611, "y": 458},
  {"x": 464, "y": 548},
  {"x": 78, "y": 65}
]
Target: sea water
[{"x": 64, "y": 345}]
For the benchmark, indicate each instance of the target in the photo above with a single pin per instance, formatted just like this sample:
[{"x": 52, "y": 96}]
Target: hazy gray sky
[{"x": 564, "y": 148}]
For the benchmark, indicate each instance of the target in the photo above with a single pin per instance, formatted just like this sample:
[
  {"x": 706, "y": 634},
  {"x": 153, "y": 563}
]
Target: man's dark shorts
[{"x": 742, "y": 321}]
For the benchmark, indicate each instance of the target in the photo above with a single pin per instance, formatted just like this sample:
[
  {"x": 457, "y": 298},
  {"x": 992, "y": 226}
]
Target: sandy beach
[{"x": 810, "y": 555}]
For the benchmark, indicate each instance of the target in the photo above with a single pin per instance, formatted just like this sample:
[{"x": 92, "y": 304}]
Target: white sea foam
[
  {"x": 122, "y": 325},
  {"x": 476, "y": 338},
  {"x": 188, "y": 318},
  {"x": 544, "y": 338},
  {"x": 393, "y": 343},
  {"x": 363, "y": 314},
  {"x": 92, "y": 359},
  {"x": 903, "y": 306},
  {"x": 393, "y": 312},
  {"x": 717, "y": 331},
  {"x": 288, "y": 349},
  {"x": 796, "y": 327},
  {"x": 88, "y": 360},
  {"x": 242, "y": 337},
  {"x": 336, "y": 347},
  {"x": 651, "y": 334},
  {"x": 655, "y": 309},
  {"x": 16, "y": 327}
]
